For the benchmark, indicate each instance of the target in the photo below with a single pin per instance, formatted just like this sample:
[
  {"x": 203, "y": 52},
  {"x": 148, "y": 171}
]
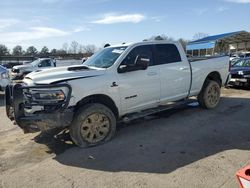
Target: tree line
[{"x": 73, "y": 48}]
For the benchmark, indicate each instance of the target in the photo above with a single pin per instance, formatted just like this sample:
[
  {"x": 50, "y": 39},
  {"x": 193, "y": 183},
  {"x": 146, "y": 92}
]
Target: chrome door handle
[
  {"x": 184, "y": 68},
  {"x": 152, "y": 73}
]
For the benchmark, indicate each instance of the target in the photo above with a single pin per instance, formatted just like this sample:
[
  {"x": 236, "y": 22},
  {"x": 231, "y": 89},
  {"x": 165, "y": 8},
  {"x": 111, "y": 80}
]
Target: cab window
[
  {"x": 166, "y": 53},
  {"x": 144, "y": 51},
  {"x": 45, "y": 63}
]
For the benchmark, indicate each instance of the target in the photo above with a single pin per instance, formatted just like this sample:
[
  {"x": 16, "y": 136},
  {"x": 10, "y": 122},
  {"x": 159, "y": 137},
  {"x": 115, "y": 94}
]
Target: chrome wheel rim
[
  {"x": 95, "y": 128},
  {"x": 213, "y": 95}
]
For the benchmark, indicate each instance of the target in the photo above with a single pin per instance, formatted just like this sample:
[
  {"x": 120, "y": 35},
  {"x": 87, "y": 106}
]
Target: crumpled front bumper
[{"x": 16, "y": 104}]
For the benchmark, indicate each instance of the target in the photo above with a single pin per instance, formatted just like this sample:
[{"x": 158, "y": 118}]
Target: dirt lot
[{"x": 189, "y": 147}]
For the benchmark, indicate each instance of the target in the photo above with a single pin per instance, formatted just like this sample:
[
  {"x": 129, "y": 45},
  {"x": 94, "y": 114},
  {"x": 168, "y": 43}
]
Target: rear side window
[
  {"x": 166, "y": 53},
  {"x": 145, "y": 50}
]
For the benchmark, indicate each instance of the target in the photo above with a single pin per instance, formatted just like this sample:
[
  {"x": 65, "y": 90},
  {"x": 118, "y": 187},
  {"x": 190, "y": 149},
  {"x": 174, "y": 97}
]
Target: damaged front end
[{"x": 40, "y": 107}]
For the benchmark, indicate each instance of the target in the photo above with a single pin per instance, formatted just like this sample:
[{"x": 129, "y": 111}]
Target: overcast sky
[{"x": 53, "y": 22}]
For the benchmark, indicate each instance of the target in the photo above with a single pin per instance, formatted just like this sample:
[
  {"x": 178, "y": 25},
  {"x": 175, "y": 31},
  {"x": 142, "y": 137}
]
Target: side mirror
[
  {"x": 142, "y": 62},
  {"x": 39, "y": 65}
]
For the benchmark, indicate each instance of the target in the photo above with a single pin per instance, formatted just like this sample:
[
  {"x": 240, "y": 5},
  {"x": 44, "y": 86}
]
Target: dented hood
[{"x": 61, "y": 74}]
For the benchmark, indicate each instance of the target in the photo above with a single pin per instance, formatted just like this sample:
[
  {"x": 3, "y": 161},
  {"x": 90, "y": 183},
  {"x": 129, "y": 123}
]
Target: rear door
[{"x": 175, "y": 76}]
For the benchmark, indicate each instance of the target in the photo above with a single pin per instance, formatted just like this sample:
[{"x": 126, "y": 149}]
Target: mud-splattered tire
[
  {"x": 92, "y": 125},
  {"x": 209, "y": 97}
]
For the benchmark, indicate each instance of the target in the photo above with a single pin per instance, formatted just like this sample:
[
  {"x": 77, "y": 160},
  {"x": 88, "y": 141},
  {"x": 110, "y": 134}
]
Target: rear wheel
[
  {"x": 93, "y": 124},
  {"x": 209, "y": 96}
]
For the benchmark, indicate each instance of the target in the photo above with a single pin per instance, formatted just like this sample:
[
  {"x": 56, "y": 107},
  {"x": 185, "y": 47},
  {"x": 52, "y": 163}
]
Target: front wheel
[
  {"x": 93, "y": 124},
  {"x": 209, "y": 97}
]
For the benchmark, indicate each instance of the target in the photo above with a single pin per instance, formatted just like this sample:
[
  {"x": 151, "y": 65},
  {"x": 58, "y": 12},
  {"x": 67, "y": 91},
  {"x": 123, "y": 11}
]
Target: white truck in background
[
  {"x": 119, "y": 83},
  {"x": 19, "y": 71}
]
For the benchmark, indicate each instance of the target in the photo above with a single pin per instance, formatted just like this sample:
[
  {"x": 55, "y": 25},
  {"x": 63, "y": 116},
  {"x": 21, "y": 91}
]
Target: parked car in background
[
  {"x": 240, "y": 72},
  {"x": 233, "y": 61},
  {"x": 234, "y": 56},
  {"x": 245, "y": 54},
  {"x": 26, "y": 62},
  {"x": 4, "y": 78},
  {"x": 18, "y": 72},
  {"x": 10, "y": 65},
  {"x": 119, "y": 83}
]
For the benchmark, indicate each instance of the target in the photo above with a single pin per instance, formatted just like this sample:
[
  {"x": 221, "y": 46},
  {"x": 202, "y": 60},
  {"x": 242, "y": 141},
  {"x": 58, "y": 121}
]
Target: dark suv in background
[{"x": 240, "y": 72}]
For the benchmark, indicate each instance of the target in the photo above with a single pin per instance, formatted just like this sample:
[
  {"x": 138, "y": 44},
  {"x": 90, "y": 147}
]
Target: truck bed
[
  {"x": 202, "y": 66},
  {"x": 192, "y": 59}
]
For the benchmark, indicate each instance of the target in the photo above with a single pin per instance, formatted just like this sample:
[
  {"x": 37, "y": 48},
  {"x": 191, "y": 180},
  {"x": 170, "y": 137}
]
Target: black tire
[
  {"x": 209, "y": 97},
  {"x": 92, "y": 125}
]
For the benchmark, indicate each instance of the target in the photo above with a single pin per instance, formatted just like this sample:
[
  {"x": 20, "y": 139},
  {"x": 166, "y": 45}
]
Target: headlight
[
  {"x": 15, "y": 70},
  {"x": 48, "y": 95},
  {"x": 240, "y": 72}
]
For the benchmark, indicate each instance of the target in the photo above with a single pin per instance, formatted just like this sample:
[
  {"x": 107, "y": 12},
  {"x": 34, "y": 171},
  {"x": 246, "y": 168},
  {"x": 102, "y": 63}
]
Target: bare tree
[
  {"x": 31, "y": 51},
  {"x": 81, "y": 49},
  {"x": 17, "y": 50},
  {"x": 65, "y": 47},
  {"x": 61, "y": 51},
  {"x": 3, "y": 50},
  {"x": 199, "y": 35},
  {"x": 160, "y": 37},
  {"x": 53, "y": 51},
  {"x": 74, "y": 47},
  {"x": 44, "y": 51},
  {"x": 183, "y": 42},
  {"x": 90, "y": 49}
]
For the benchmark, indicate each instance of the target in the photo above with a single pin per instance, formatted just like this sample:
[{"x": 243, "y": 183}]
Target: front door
[{"x": 139, "y": 89}]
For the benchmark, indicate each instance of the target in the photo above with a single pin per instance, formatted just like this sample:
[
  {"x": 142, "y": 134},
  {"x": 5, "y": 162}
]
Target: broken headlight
[{"x": 48, "y": 95}]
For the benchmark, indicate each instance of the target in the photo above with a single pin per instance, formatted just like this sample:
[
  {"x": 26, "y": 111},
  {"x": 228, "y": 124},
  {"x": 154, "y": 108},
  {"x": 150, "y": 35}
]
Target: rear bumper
[{"x": 17, "y": 104}]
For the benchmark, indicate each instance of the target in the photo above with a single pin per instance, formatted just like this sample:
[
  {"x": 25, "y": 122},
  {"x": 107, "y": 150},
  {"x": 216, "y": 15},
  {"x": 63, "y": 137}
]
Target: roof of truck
[{"x": 144, "y": 42}]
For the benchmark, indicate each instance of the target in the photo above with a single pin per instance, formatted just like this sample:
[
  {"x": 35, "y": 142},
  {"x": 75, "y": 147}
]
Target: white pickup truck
[
  {"x": 19, "y": 71},
  {"x": 119, "y": 83}
]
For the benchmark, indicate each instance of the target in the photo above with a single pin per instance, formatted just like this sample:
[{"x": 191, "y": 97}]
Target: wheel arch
[
  {"x": 99, "y": 98},
  {"x": 215, "y": 76}
]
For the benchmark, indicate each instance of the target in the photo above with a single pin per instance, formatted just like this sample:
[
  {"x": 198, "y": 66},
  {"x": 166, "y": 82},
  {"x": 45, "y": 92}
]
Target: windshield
[
  {"x": 242, "y": 63},
  {"x": 34, "y": 63},
  {"x": 105, "y": 58}
]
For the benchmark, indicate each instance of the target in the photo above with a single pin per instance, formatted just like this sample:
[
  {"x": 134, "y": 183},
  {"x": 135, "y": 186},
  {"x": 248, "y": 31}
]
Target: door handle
[
  {"x": 152, "y": 73},
  {"x": 184, "y": 68}
]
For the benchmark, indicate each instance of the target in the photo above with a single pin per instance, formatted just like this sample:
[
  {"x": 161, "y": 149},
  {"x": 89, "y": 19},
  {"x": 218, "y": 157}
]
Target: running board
[{"x": 168, "y": 106}]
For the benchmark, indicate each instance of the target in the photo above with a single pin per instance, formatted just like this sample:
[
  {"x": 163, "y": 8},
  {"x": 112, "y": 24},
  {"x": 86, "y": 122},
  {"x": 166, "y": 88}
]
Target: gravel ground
[{"x": 189, "y": 147}]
